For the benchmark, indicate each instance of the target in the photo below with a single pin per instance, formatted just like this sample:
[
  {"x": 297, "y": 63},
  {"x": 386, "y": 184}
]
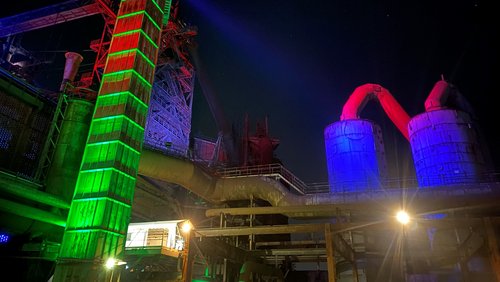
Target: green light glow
[
  {"x": 100, "y": 211},
  {"x": 130, "y": 110},
  {"x": 139, "y": 13},
  {"x": 93, "y": 230},
  {"x": 99, "y": 214},
  {"x": 127, "y": 82},
  {"x": 129, "y": 94},
  {"x": 128, "y": 71},
  {"x": 104, "y": 182},
  {"x": 118, "y": 117},
  {"x": 166, "y": 10},
  {"x": 112, "y": 142},
  {"x": 103, "y": 198},
  {"x": 125, "y": 61},
  {"x": 137, "y": 31},
  {"x": 126, "y": 135},
  {"x": 99, "y": 241},
  {"x": 131, "y": 51},
  {"x": 131, "y": 14},
  {"x": 156, "y": 4},
  {"x": 152, "y": 21},
  {"x": 107, "y": 169},
  {"x": 110, "y": 154},
  {"x": 31, "y": 212},
  {"x": 124, "y": 98}
]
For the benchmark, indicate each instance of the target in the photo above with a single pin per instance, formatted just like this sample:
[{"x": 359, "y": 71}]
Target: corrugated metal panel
[
  {"x": 445, "y": 148},
  {"x": 355, "y": 156},
  {"x": 23, "y": 130}
]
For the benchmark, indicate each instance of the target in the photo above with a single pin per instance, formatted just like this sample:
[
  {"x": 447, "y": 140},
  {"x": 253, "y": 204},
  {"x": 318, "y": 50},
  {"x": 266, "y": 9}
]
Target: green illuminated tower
[{"x": 97, "y": 224}]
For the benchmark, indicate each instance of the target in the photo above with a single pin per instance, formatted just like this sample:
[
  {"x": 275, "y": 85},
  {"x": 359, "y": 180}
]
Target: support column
[
  {"x": 100, "y": 211},
  {"x": 492, "y": 247},
  {"x": 462, "y": 258},
  {"x": 330, "y": 253},
  {"x": 251, "y": 237},
  {"x": 187, "y": 260},
  {"x": 355, "y": 275}
]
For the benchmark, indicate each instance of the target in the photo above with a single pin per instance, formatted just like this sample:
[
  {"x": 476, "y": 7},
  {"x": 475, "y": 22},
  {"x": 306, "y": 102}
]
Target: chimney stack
[{"x": 73, "y": 61}]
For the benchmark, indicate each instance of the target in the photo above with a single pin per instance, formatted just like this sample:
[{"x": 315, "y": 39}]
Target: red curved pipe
[
  {"x": 438, "y": 96},
  {"x": 364, "y": 93},
  {"x": 445, "y": 95}
]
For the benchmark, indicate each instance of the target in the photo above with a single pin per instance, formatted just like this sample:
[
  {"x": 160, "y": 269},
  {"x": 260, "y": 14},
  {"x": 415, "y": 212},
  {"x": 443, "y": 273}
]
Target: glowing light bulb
[
  {"x": 403, "y": 217},
  {"x": 110, "y": 263},
  {"x": 186, "y": 227}
]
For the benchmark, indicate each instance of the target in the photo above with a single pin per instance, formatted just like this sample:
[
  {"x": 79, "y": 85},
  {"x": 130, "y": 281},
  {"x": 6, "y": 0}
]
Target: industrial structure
[{"x": 102, "y": 180}]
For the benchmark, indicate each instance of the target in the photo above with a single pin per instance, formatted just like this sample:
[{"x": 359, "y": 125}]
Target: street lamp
[
  {"x": 403, "y": 217},
  {"x": 111, "y": 263},
  {"x": 186, "y": 228}
]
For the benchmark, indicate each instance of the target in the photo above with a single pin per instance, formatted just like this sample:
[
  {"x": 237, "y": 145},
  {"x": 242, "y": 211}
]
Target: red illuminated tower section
[{"x": 97, "y": 224}]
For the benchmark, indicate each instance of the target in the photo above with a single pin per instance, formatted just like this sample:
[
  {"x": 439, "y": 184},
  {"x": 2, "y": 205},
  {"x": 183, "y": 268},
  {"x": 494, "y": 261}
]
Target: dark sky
[{"x": 297, "y": 62}]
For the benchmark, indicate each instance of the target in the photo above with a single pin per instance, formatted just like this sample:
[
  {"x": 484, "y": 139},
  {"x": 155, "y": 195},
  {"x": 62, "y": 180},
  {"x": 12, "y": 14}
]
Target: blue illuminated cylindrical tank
[
  {"x": 355, "y": 156},
  {"x": 445, "y": 148}
]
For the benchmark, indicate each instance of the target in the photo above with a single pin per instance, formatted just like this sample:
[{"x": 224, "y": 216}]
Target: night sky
[{"x": 297, "y": 62}]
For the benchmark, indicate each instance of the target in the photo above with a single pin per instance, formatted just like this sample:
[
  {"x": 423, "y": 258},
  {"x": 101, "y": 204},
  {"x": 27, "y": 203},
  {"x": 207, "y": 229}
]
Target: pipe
[
  {"x": 185, "y": 173},
  {"x": 212, "y": 188},
  {"x": 27, "y": 190},
  {"x": 444, "y": 95},
  {"x": 32, "y": 213},
  {"x": 218, "y": 190},
  {"x": 438, "y": 96},
  {"x": 364, "y": 93},
  {"x": 192, "y": 177},
  {"x": 188, "y": 175},
  {"x": 71, "y": 66}
]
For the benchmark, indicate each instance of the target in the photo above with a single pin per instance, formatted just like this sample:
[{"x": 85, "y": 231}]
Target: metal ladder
[{"x": 49, "y": 147}]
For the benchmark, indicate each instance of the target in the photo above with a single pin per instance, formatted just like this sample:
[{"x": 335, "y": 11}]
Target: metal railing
[
  {"x": 438, "y": 192},
  {"x": 273, "y": 170},
  {"x": 368, "y": 189},
  {"x": 384, "y": 184}
]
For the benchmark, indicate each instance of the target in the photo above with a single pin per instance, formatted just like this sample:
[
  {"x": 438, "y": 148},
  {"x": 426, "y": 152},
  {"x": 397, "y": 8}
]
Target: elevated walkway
[
  {"x": 275, "y": 171},
  {"x": 47, "y": 16}
]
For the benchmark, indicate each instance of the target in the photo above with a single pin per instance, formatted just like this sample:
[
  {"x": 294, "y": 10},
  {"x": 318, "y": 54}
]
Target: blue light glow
[
  {"x": 445, "y": 148},
  {"x": 4, "y": 238},
  {"x": 355, "y": 156},
  {"x": 255, "y": 46}
]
